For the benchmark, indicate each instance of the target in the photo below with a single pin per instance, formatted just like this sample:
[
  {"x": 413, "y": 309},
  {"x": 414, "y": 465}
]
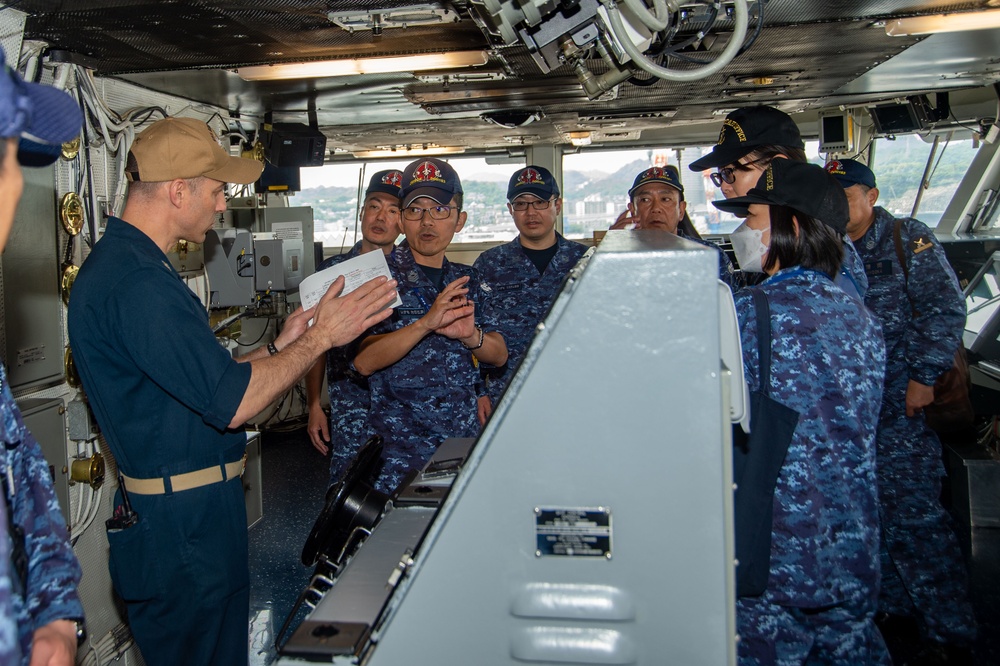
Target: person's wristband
[
  {"x": 271, "y": 349},
  {"x": 481, "y": 336}
]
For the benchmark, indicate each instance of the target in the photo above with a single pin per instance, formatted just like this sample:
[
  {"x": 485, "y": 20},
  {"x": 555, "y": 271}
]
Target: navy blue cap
[
  {"x": 667, "y": 175},
  {"x": 804, "y": 187},
  {"x": 534, "y": 180},
  {"x": 41, "y": 114},
  {"x": 432, "y": 178},
  {"x": 389, "y": 181},
  {"x": 745, "y": 129},
  {"x": 851, "y": 172}
]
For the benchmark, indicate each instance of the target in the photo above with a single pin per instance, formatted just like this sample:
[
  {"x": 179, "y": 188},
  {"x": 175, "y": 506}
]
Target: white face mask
[{"x": 749, "y": 247}]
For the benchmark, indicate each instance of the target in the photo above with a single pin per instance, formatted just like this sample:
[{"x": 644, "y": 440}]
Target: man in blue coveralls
[
  {"x": 41, "y": 617},
  {"x": 422, "y": 362},
  {"x": 171, "y": 401},
  {"x": 922, "y": 313},
  {"x": 524, "y": 275},
  {"x": 343, "y": 434}
]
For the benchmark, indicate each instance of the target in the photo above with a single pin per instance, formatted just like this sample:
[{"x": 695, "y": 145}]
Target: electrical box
[
  {"x": 293, "y": 145},
  {"x": 44, "y": 418},
  {"x": 32, "y": 307},
  {"x": 229, "y": 264}
]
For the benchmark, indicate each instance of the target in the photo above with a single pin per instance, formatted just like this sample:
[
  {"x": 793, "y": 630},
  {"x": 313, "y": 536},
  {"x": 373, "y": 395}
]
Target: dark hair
[
  {"x": 816, "y": 246},
  {"x": 764, "y": 154},
  {"x": 687, "y": 227},
  {"x": 457, "y": 198},
  {"x": 3, "y": 148}
]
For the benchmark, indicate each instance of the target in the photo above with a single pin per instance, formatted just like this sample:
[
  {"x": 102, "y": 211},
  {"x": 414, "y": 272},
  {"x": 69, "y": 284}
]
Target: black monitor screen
[
  {"x": 833, "y": 129},
  {"x": 895, "y": 118}
]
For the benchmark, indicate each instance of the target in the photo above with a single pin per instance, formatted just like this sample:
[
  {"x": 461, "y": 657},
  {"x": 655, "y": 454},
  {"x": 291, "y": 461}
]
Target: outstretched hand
[{"x": 342, "y": 319}]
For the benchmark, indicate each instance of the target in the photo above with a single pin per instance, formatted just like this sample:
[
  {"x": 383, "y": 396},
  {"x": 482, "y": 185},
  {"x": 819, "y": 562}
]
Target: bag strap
[{"x": 763, "y": 312}]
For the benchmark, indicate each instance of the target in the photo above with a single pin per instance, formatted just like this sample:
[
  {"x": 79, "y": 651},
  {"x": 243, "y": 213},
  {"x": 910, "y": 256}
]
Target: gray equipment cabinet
[{"x": 592, "y": 521}]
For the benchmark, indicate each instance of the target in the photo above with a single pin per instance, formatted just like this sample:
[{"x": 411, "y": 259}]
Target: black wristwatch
[{"x": 81, "y": 630}]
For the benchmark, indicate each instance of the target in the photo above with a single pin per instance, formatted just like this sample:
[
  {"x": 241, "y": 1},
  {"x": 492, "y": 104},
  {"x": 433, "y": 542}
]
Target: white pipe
[
  {"x": 657, "y": 19},
  {"x": 742, "y": 19}
]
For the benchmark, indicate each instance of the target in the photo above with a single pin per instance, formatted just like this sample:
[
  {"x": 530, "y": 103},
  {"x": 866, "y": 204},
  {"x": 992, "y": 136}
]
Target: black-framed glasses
[
  {"x": 728, "y": 174},
  {"x": 417, "y": 213},
  {"x": 537, "y": 204}
]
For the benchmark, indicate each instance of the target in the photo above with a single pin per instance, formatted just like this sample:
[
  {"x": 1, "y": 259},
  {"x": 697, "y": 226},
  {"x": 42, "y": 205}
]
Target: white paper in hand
[{"x": 356, "y": 272}]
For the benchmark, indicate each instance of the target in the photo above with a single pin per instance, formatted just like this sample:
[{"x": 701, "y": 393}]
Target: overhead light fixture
[
  {"x": 408, "y": 152},
  {"x": 926, "y": 25},
  {"x": 579, "y": 138},
  {"x": 418, "y": 62}
]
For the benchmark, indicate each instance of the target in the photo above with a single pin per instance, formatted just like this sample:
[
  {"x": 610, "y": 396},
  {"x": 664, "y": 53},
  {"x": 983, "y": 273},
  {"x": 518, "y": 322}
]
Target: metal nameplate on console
[{"x": 573, "y": 532}]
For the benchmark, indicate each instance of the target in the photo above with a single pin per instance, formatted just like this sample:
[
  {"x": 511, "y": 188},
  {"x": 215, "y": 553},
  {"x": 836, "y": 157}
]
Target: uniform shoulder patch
[{"x": 920, "y": 243}]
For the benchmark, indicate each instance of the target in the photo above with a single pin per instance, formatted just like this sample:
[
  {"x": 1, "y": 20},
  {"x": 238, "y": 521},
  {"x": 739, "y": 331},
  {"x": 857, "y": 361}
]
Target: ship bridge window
[
  {"x": 333, "y": 192},
  {"x": 900, "y": 164}
]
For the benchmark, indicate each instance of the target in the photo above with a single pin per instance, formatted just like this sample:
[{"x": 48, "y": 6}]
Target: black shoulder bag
[{"x": 757, "y": 461}]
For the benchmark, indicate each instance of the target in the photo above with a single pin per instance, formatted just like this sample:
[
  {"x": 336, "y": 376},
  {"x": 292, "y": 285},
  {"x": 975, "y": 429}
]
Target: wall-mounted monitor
[
  {"x": 910, "y": 116},
  {"x": 982, "y": 321},
  {"x": 836, "y": 132}
]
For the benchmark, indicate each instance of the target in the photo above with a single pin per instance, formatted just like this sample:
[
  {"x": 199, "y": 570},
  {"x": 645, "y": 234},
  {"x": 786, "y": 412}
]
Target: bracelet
[
  {"x": 481, "y": 336},
  {"x": 271, "y": 349}
]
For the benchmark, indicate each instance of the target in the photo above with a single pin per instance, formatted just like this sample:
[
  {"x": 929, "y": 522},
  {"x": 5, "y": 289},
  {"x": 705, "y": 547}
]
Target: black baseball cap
[
  {"x": 851, "y": 172},
  {"x": 432, "y": 178},
  {"x": 804, "y": 187},
  {"x": 534, "y": 180},
  {"x": 745, "y": 129},
  {"x": 389, "y": 181}
]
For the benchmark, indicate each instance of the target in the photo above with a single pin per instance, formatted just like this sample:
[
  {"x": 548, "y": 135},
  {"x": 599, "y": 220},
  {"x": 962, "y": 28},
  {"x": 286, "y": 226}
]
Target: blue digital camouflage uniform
[
  {"x": 726, "y": 271},
  {"x": 53, "y": 572},
  {"x": 431, "y": 393},
  {"x": 852, "y": 278},
  {"x": 827, "y": 364},
  {"x": 923, "y": 571},
  {"x": 348, "y": 391},
  {"x": 521, "y": 297},
  {"x": 10, "y": 648}
]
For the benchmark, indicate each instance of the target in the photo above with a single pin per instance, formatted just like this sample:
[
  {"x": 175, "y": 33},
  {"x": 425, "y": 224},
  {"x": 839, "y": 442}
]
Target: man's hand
[
  {"x": 295, "y": 325},
  {"x": 918, "y": 396},
  {"x": 625, "y": 221},
  {"x": 54, "y": 644},
  {"x": 484, "y": 407},
  {"x": 319, "y": 430},
  {"x": 341, "y": 319},
  {"x": 463, "y": 325},
  {"x": 451, "y": 304}
]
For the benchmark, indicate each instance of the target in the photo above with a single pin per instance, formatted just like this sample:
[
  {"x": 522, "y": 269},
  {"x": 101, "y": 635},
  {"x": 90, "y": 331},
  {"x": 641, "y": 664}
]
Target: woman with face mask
[
  {"x": 825, "y": 361},
  {"x": 751, "y": 138}
]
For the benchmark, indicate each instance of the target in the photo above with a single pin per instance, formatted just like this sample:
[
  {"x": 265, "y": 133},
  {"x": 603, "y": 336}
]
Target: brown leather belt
[{"x": 186, "y": 481}]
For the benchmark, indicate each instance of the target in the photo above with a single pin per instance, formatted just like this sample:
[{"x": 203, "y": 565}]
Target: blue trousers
[{"x": 183, "y": 574}]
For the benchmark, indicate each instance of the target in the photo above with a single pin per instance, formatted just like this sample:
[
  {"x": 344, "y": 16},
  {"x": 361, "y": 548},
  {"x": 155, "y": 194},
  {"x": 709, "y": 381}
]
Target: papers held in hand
[{"x": 356, "y": 272}]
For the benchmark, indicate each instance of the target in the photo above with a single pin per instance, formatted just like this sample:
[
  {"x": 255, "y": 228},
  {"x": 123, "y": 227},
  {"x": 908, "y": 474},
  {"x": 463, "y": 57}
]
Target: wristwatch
[{"x": 81, "y": 630}]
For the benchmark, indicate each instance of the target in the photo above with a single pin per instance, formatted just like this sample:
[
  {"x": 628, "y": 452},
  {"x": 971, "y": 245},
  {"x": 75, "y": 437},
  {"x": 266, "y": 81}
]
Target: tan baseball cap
[{"x": 188, "y": 148}]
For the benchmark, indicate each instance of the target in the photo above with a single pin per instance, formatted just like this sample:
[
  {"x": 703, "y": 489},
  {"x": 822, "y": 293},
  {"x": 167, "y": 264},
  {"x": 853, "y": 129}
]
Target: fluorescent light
[
  {"x": 925, "y": 25},
  {"x": 579, "y": 138},
  {"x": 408, "y": 152},
  {"x": 419, "y": 62}
]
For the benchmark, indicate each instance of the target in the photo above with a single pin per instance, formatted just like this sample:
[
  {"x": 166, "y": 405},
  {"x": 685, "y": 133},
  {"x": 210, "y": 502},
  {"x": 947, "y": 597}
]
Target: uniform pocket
[{"x": 134, "y": 564}]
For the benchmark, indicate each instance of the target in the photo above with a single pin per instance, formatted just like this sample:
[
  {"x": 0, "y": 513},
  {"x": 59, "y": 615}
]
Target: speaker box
[{"x": 293, "y": 145}]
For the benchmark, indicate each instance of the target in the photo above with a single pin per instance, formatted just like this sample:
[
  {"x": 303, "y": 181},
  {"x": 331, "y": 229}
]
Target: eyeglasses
[
  {"x": 537, "y": 204},
  {"x": 728, "y": 174},
  {"x": 417, "y": 213}
]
